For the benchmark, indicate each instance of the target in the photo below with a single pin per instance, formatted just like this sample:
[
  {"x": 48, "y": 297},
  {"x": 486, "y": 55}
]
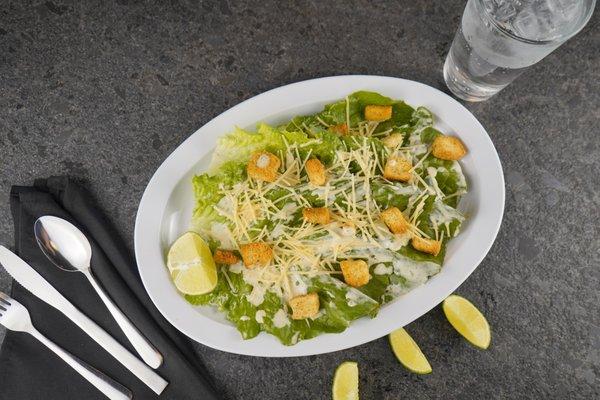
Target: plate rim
[{"x": 149, "y": 202}]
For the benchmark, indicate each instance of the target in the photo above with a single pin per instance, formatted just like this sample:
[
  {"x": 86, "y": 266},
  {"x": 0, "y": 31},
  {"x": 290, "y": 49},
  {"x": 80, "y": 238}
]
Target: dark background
[{"x": 106, "y": 90}]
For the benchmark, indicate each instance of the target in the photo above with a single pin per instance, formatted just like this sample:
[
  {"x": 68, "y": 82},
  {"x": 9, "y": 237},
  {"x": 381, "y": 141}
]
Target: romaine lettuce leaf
[
  {"x": 335, "y": 114},
  {"x": 335, "y": 316},
  {"x": 206, "y": 192},
  {"x": 449, "y": 177},
  {"x": 238, "y": 145},
  {"x": 379, "y": 283},
  {"x": 421, "y": 117},
  {"x": 340, "y": 303},
  {"x": 386, "y": 195}
]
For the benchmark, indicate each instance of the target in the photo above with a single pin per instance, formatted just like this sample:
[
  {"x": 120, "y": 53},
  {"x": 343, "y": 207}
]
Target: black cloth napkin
[{"x": 30, "y": 371}]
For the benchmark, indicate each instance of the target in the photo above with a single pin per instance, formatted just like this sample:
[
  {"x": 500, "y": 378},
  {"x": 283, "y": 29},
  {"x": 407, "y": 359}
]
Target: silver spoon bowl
[{"x": 68, "y": 248}]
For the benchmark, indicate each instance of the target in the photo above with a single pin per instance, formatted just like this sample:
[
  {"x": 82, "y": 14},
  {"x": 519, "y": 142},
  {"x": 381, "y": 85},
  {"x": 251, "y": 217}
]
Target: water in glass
[{"x": 498, "y": 39}]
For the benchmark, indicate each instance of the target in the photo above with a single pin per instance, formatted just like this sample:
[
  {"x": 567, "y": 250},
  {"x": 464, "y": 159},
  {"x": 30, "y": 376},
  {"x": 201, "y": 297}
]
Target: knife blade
[{"x": 31, "y": 280}]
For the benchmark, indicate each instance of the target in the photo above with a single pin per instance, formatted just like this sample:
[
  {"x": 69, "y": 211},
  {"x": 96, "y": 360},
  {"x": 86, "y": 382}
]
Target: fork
[{"x": 14, "y": 316}]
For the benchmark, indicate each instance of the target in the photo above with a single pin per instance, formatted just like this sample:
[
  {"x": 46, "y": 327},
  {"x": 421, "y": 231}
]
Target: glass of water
[{"x": 498, "y": 39}]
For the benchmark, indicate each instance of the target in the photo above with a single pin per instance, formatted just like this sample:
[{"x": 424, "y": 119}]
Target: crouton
[
  {"x": 356, "y": 272},
  {"x": 341, "y": 129},
  {"x": 256, "y": 254},
  {"x": 263, "y": 166},
  {"x": 304, "y": 306},
  {"x": 394, "y": 219},
  {"x": 397, "y": 168},
  {"x": 393, "y": 140},
  {"x": 426, "y": 245},
  {"x": 318, "y": 215},
  {"x": 225, "y": 257},
  {"x": 378, "y": 113},
  {"x": 316, "y": 172},
  {"x": 448, "y": 148}
]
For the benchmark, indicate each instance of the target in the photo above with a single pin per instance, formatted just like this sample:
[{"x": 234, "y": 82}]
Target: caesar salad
[{"x": 320, "y": 221}]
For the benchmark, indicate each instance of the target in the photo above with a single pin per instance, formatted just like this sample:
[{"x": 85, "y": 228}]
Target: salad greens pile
[{"x": 354, "y": 151}]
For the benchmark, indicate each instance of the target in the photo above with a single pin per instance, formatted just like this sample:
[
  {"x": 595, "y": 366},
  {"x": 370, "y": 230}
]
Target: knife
[{"x": 31, "y": 280}]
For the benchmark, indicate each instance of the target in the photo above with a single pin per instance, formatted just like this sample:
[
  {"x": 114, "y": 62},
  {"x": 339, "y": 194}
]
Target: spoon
[{"x": 68, "y": 248}]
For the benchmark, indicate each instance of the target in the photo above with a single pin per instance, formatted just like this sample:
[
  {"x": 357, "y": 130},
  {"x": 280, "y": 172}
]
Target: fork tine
[{"x": 4, "y": 298}]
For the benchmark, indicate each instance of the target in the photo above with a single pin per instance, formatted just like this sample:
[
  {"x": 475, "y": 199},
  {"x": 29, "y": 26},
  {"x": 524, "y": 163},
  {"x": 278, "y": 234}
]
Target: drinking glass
[{"x": 498, "y": 39}]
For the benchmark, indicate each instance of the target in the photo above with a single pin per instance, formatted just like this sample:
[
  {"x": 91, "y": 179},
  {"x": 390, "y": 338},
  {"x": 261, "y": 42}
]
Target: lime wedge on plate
[
  {"x": 191, "y": 265},
  {"x": 345, "y": 381},
  {"x": 468, "y": 321},
  {"x": 408, "y": 352}
]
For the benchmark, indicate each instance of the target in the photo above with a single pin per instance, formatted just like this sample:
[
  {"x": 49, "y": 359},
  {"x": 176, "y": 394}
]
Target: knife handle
[
  {"x": 115, "y": 349},
  {"x": 31, "y": 280}
]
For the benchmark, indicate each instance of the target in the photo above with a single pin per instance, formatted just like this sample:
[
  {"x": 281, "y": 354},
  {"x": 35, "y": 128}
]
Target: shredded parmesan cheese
[{"x": 258, "y": 211}]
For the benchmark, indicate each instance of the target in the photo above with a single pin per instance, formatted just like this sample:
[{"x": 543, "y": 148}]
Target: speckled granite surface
[{"x": 107, "y": 92}]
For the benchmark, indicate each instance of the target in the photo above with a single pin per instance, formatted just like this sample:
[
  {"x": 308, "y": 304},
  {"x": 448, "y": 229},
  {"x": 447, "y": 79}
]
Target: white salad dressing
[
  {"x": 415, "y": 272},
  {"x": 407, "y": 190},
  {"x": 322, "y": 192},
  {"x": 260, "y": 316},
  {"x": 287, "y": 211},
  {"x": 277, "y": 231},
  {"x": 353, "y": 297},
  {"x": 308, "y": 252},
  {"x": 462, "y": 182},
  {"x": 225, "y": 206},
  {"x": 381, "y": 255},
  {"x": 319, "y": 314},
  {"x": 397, "y": 290},
  {"x": 280, "y": 319},
  {"x": 432, "y": 172},
  {"x": 347, "y": 231},
  {"x": 382, "y": 269},
  {"x": 395, "y": 242},
  {"x": 221, "y": 233},
  {"x": 297, "y": 285},
  {"x": 443, "y": 214},
  {"x": 295, "y": 336},
  {"x": 236, "y": 268},
  {"x": 414, "y": 140},
  {"x": 257, "y": 295}
]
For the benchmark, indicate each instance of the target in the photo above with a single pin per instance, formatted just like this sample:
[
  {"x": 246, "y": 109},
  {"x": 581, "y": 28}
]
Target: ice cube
[{"x": 500, "y": 10}]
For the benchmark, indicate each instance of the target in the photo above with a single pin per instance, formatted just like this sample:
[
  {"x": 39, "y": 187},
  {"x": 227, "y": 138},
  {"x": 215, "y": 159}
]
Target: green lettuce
[
  {"x": 238, "y": 145},
  {"x": 335, "y": 114},
  {"x": 206, "y": 192},
  {"x": 340, "y": 304},
  {"x": 336, "y": 311}
]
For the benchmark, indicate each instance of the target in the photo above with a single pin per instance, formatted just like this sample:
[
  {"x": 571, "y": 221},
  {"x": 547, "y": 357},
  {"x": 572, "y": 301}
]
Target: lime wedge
[
  {"x": 191, "y": 265},
  {"x": 408, "y": 352},
  {"x": 467, "y": 320},
  {"x": 345, "y": 381}
]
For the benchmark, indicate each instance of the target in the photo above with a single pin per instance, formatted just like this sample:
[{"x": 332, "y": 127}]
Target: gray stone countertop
[{"x": 106, "y": 92}]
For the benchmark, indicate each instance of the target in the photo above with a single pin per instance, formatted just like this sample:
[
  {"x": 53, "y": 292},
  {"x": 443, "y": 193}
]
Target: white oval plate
[{"x": 166, "y": 208}]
